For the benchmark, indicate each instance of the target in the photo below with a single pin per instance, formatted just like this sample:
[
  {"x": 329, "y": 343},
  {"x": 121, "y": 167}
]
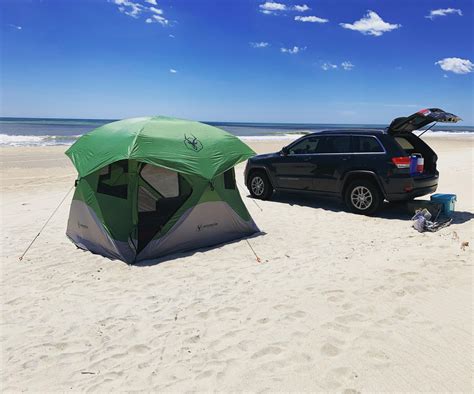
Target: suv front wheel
[
  {"x": 259, "y": 185},
  {"x": 363, "y": 197}
]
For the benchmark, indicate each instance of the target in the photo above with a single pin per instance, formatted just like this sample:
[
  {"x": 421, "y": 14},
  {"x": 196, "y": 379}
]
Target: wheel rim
[
  {"x": 361, "y": 198},
  {"x": 257, "y": 185}
]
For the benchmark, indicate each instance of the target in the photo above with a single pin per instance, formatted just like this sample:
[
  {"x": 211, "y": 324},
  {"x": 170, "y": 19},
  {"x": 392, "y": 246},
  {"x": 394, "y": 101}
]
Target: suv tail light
[{"x": 401, "y": 162}]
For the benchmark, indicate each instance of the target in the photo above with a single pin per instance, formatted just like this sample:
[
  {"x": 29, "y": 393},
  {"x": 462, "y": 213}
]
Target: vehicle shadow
[
  {"x": 176, "y": 256},
  {"x": 390, "y": 210}
]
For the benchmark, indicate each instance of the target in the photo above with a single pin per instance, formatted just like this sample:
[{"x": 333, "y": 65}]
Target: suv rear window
[
  {"x": 404, "y": 144},
  {"x": 363, "y": 144}
]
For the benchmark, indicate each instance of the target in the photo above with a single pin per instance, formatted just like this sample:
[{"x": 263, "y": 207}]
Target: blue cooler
[
  {"x": 413, "y": 163},
  {"x": 448, "y": 201}
]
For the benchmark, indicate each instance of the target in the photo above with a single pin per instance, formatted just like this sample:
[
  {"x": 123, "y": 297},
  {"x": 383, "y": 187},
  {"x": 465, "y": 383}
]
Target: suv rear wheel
[
  {"x": 363, "y": 197},
  {"x": 259, "y": 185}
]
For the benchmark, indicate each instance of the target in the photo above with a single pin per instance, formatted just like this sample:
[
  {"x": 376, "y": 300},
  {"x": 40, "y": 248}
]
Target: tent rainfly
[{"x": 152, "y": 186}]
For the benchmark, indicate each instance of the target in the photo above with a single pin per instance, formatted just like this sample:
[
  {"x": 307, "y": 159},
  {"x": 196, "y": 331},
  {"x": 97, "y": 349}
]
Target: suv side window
[
  {"x": 366, "y": 144},
  {"x": 305, "y": 146},
  {"x": 335, "y": 144}
]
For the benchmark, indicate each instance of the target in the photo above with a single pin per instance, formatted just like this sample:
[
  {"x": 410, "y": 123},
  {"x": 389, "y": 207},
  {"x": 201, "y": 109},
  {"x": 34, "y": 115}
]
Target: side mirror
[{"x": 284, "y": 151}]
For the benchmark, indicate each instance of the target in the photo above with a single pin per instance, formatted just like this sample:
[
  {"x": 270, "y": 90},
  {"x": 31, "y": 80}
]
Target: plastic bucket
[{"x": 448, "y": 201}]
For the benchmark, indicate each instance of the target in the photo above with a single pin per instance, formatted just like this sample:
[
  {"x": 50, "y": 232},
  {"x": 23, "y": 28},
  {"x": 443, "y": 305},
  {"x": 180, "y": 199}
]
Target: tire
[
  {"x": 363, "y": 197},
  {"x": 259, "y": 185}
]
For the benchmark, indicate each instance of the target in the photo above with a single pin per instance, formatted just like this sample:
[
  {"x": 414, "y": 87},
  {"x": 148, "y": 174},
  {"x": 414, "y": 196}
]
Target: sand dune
[{"x": 339, "y": 302}]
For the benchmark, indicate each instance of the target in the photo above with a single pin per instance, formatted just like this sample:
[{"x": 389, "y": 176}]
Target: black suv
[{"x": 363, "y": 167}]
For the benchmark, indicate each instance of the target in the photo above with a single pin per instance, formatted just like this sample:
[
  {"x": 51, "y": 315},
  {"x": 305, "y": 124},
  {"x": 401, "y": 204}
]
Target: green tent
[{"x": 152, "y": 186}]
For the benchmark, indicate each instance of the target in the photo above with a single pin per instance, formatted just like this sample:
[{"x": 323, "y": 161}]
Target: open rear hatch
[
  {"x": 420, "y": 119},
  {"x": 401, "y": 129}
]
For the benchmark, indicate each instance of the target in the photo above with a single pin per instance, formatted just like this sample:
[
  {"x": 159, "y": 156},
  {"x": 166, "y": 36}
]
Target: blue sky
[{"x": 308, "y": 61}]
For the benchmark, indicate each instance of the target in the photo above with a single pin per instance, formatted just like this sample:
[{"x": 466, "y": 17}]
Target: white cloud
[
  {"x": 301, "y": 8},
  {"x": 135, "y": 10},
  {"x": 443, "y": 12},
  {"x": 272, "y": 8},
  {"x": 15, "y": 26},
  {"x": 158, "y": 19},
  {"x": 129, "y": 8},
  {"x": 156, "y": 10},
  {"x": 371, "y": 24},
  {"x": 311, "y": 19},
  {"x": 261, "y": 44},
  {"x": 456, "y": 65},
  {"x": 173, "y": 71},
  {"x": 347, "y": 65},
  {"x": 292, "y": 51},
  {"x": 328, "y": 66},
  {"x": 170, "y": 35},
  {"x": 269, "y": 7}
]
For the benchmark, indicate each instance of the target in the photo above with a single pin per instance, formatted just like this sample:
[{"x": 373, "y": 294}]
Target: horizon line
[{"x": 214, "y": 121}]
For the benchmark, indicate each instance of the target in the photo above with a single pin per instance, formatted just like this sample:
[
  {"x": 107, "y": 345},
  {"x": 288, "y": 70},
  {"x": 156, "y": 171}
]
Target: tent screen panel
[
  {"x": 229, "y": 179},
  {"x": 146, "y": 200},
  {"x": 160, "y": 194},
  {"x": 113, "y": 180},
  {"x": 164, "y": 181}
]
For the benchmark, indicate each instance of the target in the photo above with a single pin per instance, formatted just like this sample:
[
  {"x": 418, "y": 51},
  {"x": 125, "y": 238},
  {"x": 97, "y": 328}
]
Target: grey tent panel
[{"x": 206, "y": 224}]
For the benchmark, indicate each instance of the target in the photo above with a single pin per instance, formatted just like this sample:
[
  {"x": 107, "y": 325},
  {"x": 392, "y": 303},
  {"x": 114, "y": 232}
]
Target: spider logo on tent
[{"x": 192, "y": 143}]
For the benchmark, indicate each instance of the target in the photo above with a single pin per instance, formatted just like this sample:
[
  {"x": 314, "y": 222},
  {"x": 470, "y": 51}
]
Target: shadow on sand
[
  {"x": 390, "y": 211},
  {"x": 175, "y": 256},
  {"x": 393, "y": 210}
]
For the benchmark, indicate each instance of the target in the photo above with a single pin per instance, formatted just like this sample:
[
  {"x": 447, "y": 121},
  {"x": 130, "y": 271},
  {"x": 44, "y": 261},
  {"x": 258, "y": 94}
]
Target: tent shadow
[{"x": 176, "y": 256}]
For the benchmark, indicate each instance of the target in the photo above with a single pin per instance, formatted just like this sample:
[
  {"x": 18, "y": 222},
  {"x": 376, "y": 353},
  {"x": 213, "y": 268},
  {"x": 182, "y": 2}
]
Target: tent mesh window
[
  {"x": 229, "y": 179},
  {"x": 113, "y": 180},
  {"x": 160, "y": 195}
]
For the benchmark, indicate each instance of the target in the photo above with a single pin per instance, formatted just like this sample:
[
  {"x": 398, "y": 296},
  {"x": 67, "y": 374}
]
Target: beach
[{"x": 334, "y": 302}]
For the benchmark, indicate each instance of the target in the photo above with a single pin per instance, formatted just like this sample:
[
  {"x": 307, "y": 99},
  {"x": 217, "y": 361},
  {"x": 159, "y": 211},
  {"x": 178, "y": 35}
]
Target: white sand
[{"x": 339, "y": 302}]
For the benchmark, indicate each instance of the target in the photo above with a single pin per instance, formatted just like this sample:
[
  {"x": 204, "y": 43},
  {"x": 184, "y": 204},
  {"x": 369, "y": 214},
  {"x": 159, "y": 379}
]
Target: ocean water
[{"x": 44, "y": 132}]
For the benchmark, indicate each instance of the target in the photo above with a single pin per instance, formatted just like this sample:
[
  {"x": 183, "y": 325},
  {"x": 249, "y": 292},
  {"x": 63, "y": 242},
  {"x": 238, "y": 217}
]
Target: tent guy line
[{"x": 45, "y": 224}]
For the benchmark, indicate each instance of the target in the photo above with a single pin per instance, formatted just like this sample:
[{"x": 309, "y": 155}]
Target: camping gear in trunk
[
  {"x": 420, "y": 164},
  {"x": 152, "y": 186}
]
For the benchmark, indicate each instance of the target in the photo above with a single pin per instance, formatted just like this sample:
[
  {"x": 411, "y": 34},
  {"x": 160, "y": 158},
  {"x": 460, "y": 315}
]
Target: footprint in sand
[
  {"x": 353, "y": 318},
  {"x": 282, "y": 308},
  {"x": 227, "y": 310},
  {"x": 269, "y": 350},
  {"x": 329, "y": 350},
  {"x": 336, "y": 327},
  {"x": 378, "y": 357},
  {"x": 335, "y": 376}
]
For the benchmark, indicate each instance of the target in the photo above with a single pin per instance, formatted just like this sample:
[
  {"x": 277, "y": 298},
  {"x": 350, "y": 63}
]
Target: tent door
[{"x": 161, "y": 192}]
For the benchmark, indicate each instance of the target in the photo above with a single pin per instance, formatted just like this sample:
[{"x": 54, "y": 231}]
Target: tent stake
[
  {"x": 44, "y": 225},
  {"x": 250, "y": 246}
]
